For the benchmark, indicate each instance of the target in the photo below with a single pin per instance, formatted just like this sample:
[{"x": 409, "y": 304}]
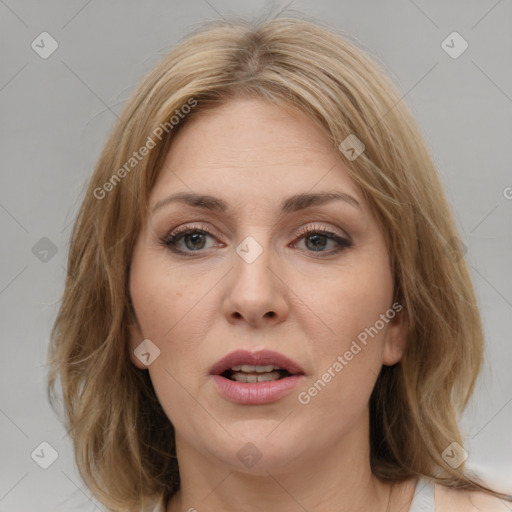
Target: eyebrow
[{"x": 289, "y": 205}]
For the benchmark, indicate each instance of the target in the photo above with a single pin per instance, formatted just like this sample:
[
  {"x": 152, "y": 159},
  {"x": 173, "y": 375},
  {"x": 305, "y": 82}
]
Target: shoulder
[{"x": 455, "y": 500}]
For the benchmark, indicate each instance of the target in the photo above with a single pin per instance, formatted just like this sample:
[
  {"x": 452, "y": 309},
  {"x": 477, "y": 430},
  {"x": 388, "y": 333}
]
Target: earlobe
[{"x": 395, "y": 343}]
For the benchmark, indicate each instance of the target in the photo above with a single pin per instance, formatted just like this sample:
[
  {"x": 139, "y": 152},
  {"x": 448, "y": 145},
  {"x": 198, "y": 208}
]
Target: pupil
[
  {"x": 194, "y": 237},
  {"x": 316, "y": 238}
]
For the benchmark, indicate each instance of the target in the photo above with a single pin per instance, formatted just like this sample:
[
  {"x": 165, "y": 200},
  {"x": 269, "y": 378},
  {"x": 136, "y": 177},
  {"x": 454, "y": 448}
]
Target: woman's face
[{"x": 258, "y": 271}]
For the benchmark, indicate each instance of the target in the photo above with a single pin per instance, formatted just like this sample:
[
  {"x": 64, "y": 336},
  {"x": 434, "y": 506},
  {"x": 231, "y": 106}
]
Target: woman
[{"x": 266, "y": 306}]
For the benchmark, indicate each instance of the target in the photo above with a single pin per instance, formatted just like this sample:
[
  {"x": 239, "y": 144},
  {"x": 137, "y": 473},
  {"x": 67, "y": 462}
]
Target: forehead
[{"x": 248, "y": 149}]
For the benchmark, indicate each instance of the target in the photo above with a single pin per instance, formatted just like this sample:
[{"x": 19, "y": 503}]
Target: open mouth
[
  {"x": 256, "y": 378},
  {"x": 254, "y": 374}
]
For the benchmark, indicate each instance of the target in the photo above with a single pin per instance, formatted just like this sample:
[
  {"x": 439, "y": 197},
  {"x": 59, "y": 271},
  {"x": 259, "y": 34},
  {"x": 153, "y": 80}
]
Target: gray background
[{"x": 56, "y": 113}]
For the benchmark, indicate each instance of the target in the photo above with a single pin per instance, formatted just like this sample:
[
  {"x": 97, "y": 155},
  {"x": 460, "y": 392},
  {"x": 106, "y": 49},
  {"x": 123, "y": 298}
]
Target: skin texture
[
  {"x": 308, "y": 305},
  {"x": 457, "y": 500}
]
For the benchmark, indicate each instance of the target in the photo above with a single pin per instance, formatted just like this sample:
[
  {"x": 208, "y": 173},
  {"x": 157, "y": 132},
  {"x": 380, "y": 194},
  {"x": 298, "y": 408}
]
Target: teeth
[
  {"x": 254, "y": 378},
  {"x": 253, "y": 369}
]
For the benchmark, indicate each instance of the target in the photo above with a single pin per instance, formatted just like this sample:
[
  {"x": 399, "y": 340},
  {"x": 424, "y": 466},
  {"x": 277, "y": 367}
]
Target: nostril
[{"x": 270, "y": 314}]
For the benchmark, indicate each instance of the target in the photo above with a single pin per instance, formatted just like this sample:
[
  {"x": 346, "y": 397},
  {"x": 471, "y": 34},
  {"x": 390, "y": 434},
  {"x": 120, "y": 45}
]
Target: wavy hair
[{"x": 123, "y": 442}]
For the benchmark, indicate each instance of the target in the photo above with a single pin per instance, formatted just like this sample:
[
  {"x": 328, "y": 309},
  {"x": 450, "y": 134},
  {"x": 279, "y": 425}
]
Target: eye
[
  {"x": 193, "y": 237},
  {"x": 317, "y": 238},
  {"x": 194, "y": 240}
]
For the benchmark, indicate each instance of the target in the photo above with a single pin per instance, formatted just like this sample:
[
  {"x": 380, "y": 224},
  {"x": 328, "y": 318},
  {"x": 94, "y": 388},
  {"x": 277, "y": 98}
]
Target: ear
[
  {"x": 395, "y": 342},
  {"x": 134, "y": 341}
]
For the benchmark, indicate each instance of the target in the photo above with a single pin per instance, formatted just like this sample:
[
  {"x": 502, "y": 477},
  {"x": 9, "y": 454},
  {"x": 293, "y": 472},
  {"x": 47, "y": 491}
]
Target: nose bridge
[
  {"x": 255, "y": 292},
  {"x": 252, "y": 270}
]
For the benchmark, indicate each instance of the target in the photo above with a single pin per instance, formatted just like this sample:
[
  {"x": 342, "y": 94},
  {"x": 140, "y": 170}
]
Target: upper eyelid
[
  {"x": 343, "y": 241},
  {"x": 300, "y": 231},
  {"x": 311, "y": 226}
]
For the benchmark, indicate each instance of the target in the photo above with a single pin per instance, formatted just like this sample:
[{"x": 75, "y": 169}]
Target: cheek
[
  {"x": 349, "y": 353},
  {"x": 351, "y": 358},
  {"x": 165, "y": 302},
  {"x": 172, "y": 308},
  {"x": 161, "y": 297},
  {"x": 348, "y": 301},
  {"x": 158, "y": 306}
]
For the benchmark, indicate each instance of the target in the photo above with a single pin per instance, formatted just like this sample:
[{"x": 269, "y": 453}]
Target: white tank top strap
[{"x": 423, "y": 500}]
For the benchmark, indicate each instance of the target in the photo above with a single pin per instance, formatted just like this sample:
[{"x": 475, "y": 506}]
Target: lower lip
[{"x": 256, "y": 393}]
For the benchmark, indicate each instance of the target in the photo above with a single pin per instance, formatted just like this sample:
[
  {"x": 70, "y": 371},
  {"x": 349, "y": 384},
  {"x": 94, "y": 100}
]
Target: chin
[{"x": 261, "y": 453}]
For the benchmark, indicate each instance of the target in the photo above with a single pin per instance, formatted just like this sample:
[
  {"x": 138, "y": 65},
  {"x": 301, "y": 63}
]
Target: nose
[{"x": 255, "y": 292}]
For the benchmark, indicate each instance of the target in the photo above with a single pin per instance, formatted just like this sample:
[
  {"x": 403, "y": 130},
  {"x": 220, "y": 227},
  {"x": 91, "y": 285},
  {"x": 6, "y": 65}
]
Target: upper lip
[{"x": 260, "y": 358}]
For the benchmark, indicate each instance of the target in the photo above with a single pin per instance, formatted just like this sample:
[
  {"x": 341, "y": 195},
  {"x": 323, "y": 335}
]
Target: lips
[
  {"x": 255, "y": 378},
  {"x": 261, "y": 358}
]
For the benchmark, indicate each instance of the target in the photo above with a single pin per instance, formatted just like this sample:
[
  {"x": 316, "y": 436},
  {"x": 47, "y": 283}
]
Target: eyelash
[{"x": 170, "y": 240}]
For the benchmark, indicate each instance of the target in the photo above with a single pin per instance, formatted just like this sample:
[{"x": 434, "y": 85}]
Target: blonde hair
[{"x": 123, "y": 441}]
